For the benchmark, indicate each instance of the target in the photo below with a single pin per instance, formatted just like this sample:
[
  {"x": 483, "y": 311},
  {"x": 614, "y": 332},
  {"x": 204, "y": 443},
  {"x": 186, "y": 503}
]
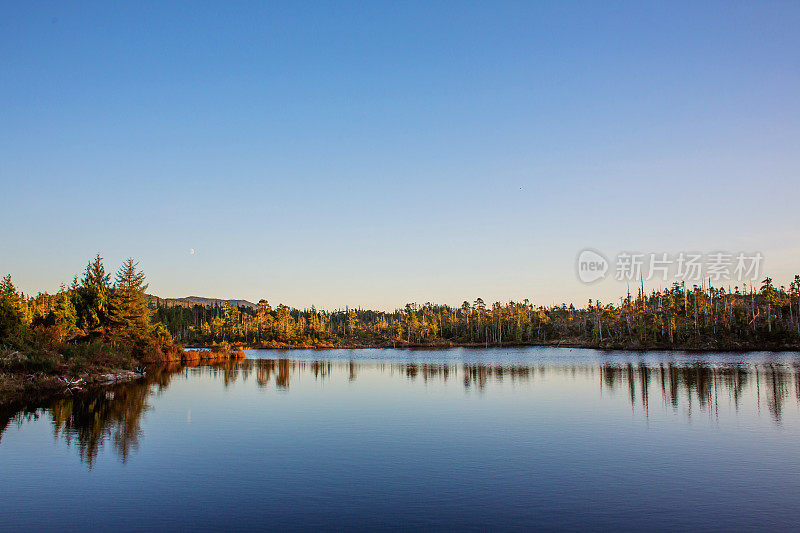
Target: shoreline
[
  {"x": 22, "y": 388},
  {"x": 736, "y": 348}
]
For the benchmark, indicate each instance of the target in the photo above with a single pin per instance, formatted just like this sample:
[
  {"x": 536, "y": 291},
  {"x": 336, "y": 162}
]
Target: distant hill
[{"x": 191, "y": 301}]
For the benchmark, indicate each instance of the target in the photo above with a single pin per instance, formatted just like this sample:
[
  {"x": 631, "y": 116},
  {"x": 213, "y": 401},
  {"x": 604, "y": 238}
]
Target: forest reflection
[{"x": 113, "y": 416}]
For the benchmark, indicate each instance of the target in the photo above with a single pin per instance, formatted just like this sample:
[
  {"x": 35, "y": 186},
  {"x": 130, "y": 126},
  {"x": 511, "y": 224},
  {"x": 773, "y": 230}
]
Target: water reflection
[
  {"x": 89, "y": 420},
  {"x": 113, "y": 416}
]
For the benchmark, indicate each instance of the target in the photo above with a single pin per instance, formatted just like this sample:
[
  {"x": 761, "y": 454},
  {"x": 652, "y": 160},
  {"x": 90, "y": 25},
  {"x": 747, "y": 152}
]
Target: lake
[{"x": 467, "y": 439}]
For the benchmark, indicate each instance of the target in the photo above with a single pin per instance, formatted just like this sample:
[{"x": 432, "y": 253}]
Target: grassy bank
[
  {"x": 31, "y": 375},
  {"x": 216, "y": 352}
]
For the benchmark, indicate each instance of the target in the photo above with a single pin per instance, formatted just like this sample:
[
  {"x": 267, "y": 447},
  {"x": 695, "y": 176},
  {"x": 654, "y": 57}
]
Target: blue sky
[{"x": 372, "y": 154}]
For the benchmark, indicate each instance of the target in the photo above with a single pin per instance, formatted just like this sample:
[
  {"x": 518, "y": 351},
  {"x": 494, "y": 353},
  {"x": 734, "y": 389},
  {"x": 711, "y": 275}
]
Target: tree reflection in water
[{"x": 114, "y": 415}]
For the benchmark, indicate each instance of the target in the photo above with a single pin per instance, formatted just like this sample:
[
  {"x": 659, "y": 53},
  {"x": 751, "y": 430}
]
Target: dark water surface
[{"x": 389, "y": 439}]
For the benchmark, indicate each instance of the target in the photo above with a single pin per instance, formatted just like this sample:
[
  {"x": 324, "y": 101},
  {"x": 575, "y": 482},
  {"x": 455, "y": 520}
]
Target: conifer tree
[
  {"x": 64, "y": 314},
  {"x": 12, "y": 317},
  {"x": 129, "y": 315},
  {"x": 93, "y": 297}
]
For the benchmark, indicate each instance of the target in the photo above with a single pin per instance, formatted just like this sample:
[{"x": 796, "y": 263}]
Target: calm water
[{"x": 390, "y": 439}]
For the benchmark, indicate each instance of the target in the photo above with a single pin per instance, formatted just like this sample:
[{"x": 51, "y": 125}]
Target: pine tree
[
  {"x": 93, "y": 297},
  {"x": 12, "y": 316},
  {"x": 129, "y": 315}
]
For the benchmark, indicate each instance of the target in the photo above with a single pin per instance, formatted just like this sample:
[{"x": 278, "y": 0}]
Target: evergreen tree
[
  {"x": 129, "y": 315},
  {"x": 12, "y": 316},
  {"x": 64, "y": 314},
  {"x": 768, "y": 292},
  {"x": 93, "y": 297}
]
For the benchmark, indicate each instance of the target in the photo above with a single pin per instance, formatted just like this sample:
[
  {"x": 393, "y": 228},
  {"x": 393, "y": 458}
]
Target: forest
[{"x": 680, "y": 317}]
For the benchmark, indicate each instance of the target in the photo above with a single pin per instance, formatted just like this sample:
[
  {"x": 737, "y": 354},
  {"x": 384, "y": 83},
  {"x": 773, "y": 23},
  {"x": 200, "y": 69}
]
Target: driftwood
[{"x": 71, "y": 384}]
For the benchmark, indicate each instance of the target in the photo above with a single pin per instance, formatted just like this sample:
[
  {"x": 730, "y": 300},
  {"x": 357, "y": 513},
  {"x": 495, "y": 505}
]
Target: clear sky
[{"x": 374, "y": 153}]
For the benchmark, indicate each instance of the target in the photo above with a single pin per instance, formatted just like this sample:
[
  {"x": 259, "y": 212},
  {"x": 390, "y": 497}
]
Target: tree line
[
  {"x": 115, "y": 317},
  {"x": 700, "y": 316}
]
